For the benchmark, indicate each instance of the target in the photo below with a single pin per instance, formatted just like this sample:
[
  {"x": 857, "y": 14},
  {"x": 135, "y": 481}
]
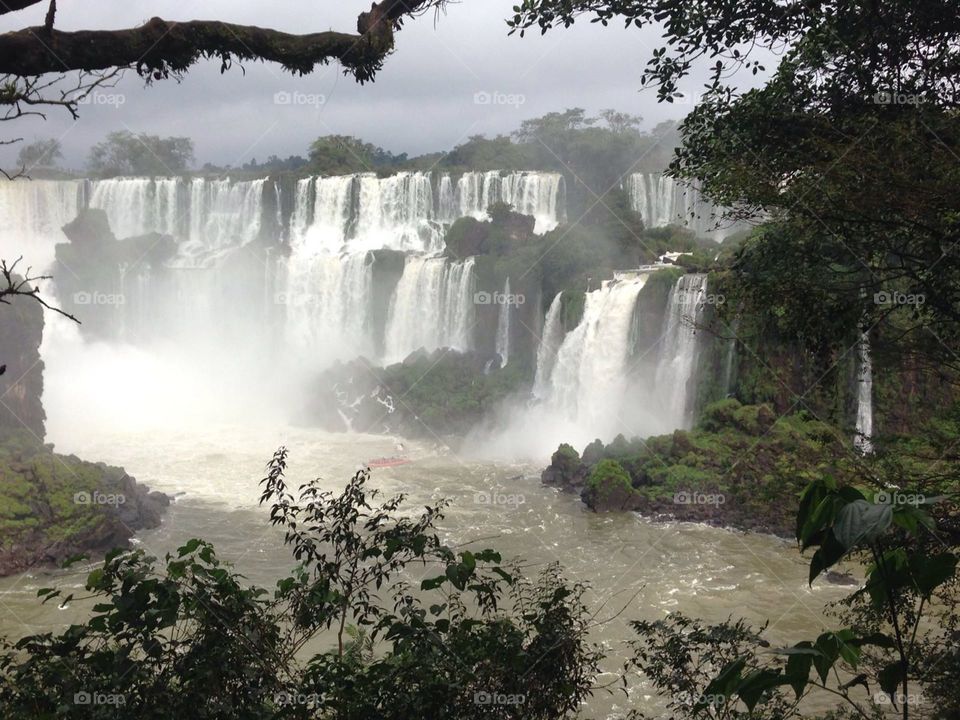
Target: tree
[
  {"x": 39, "y": 154},
  {"x": 123, "y": 153},
  {"x": 343, "y": 154},
  {"x": 847, "y": 149}
]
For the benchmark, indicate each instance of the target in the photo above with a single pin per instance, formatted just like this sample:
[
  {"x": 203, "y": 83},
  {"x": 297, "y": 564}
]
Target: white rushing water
[
  {"x": 207, "y": 215},
  {"x": 589, "y": 379},
  {"x": 862, "y": 439},
  {"x": 662, "y": 200},
  {"x": 504, "y": 328},
  {"x": 677, "y": 358},
  {"x": 432, "y": 307},
  {"x": 591, "y": 383},
  {"x": 547, "y": 349},
  {"x": 405, "y": 211},
  {"x": 530, "y": 193},
  {"x": 327, "y": 304},
  {"x": 32, "y": 213}
]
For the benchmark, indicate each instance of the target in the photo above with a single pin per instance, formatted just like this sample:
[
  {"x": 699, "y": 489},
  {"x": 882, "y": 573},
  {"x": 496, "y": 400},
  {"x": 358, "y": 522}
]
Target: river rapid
[{"x": 635, "y": 568}]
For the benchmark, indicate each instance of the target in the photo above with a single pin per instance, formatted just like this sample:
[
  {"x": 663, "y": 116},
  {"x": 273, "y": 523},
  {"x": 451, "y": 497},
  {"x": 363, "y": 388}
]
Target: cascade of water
[
  {"x": 446, "y": 200},
  {"x": 503, "y": 325},
  {"x": 661, "y": 200},
  {"x": 677, "y": 358},
  {"x": 135, "y": 206},
  {"x": 550, "y": 342},
  {"x": 432, "y": 307},
  {"x": 32, "y": 212},
  {"x": 862, "y": 440},
  {"x": 327, "y": 304},
  {"x": 323, "y": 227},
  {"x": 530, "y": 193},
  {"x": 302, "y": 213},
  {"x": 589, "y": 380},
  {"x": 219, "y": 214},
  {"x": 397, "y": 212},
  {"x": 224, "y": 214}
]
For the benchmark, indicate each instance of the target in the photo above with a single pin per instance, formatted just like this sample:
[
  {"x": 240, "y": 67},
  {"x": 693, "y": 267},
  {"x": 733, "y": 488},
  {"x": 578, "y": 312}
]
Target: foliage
[
  {"x": 126, "y": 153},
  {"x": 343, "y": 155},
  {"x": 193, "y": 640},
  {"x": 848, "y": 148},
  {"x": 741, "y": 466},
  {"x": 40, "y": 154},
  {"x": 870, "y": 666}
]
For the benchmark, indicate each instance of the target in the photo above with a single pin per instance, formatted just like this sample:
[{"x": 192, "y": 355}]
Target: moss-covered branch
[{"x": 160, "y": 47}]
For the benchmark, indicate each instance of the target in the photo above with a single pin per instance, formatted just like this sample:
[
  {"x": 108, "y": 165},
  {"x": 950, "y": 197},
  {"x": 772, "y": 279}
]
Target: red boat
[{"x": 388, "y": 462}]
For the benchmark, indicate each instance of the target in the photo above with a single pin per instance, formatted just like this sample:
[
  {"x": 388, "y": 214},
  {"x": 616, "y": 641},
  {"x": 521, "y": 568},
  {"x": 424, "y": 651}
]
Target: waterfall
[
  {"x": 322, "y": 227},
  {"x": 31, "y": 215},
  {"x": 397, "y": 212},
  {"x": 677, "y": 358},
  {"x": 503, "y": 325},
  {"x": 326, "y": 301},
  {"x": 588, "y": 383},
  {"x": 404, "y": 212},
  {"x": 223, "y": 215},
  {"x": 208, "y": 216},
  {"x": 549, "y": 345},
  {"x": 662, "y": 200},
  {"x": 447, "y": 200},
  {"x": 530, "y": 193},
  {"x": 432, "y": 307},
  {"x": 862, "y": 440}
]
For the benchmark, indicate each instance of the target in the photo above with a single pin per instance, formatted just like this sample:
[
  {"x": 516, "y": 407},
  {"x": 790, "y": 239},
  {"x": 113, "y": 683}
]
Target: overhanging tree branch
[{"x": 159, "y": 48}]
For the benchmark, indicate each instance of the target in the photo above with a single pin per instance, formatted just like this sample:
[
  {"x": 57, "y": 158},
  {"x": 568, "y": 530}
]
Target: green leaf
[
  {"x": 890, "y": 678},
  {"x": 860, "y": 522},
  {"x": 189, "y": 547},
  {"x": 799, "y": 665},
  {"x": 930, "y": 572},
  {"x": 723, "y": 684},
  {"x": 826, "y": 556},
  {"x": 757, "y": 683},
  {"x": 433, "y": 583}
]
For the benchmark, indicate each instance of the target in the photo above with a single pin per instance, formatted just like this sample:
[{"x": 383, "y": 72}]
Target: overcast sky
[{"x": 425, "y": 98}]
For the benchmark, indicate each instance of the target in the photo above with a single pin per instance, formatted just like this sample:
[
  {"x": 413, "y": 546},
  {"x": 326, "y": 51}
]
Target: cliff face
[
  {"x": 53, "y": 506},
  {"x": 21, "y": 384}
]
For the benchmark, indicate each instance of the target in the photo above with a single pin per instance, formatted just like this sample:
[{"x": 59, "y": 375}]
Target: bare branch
[{"x": 14, "y": 285}]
